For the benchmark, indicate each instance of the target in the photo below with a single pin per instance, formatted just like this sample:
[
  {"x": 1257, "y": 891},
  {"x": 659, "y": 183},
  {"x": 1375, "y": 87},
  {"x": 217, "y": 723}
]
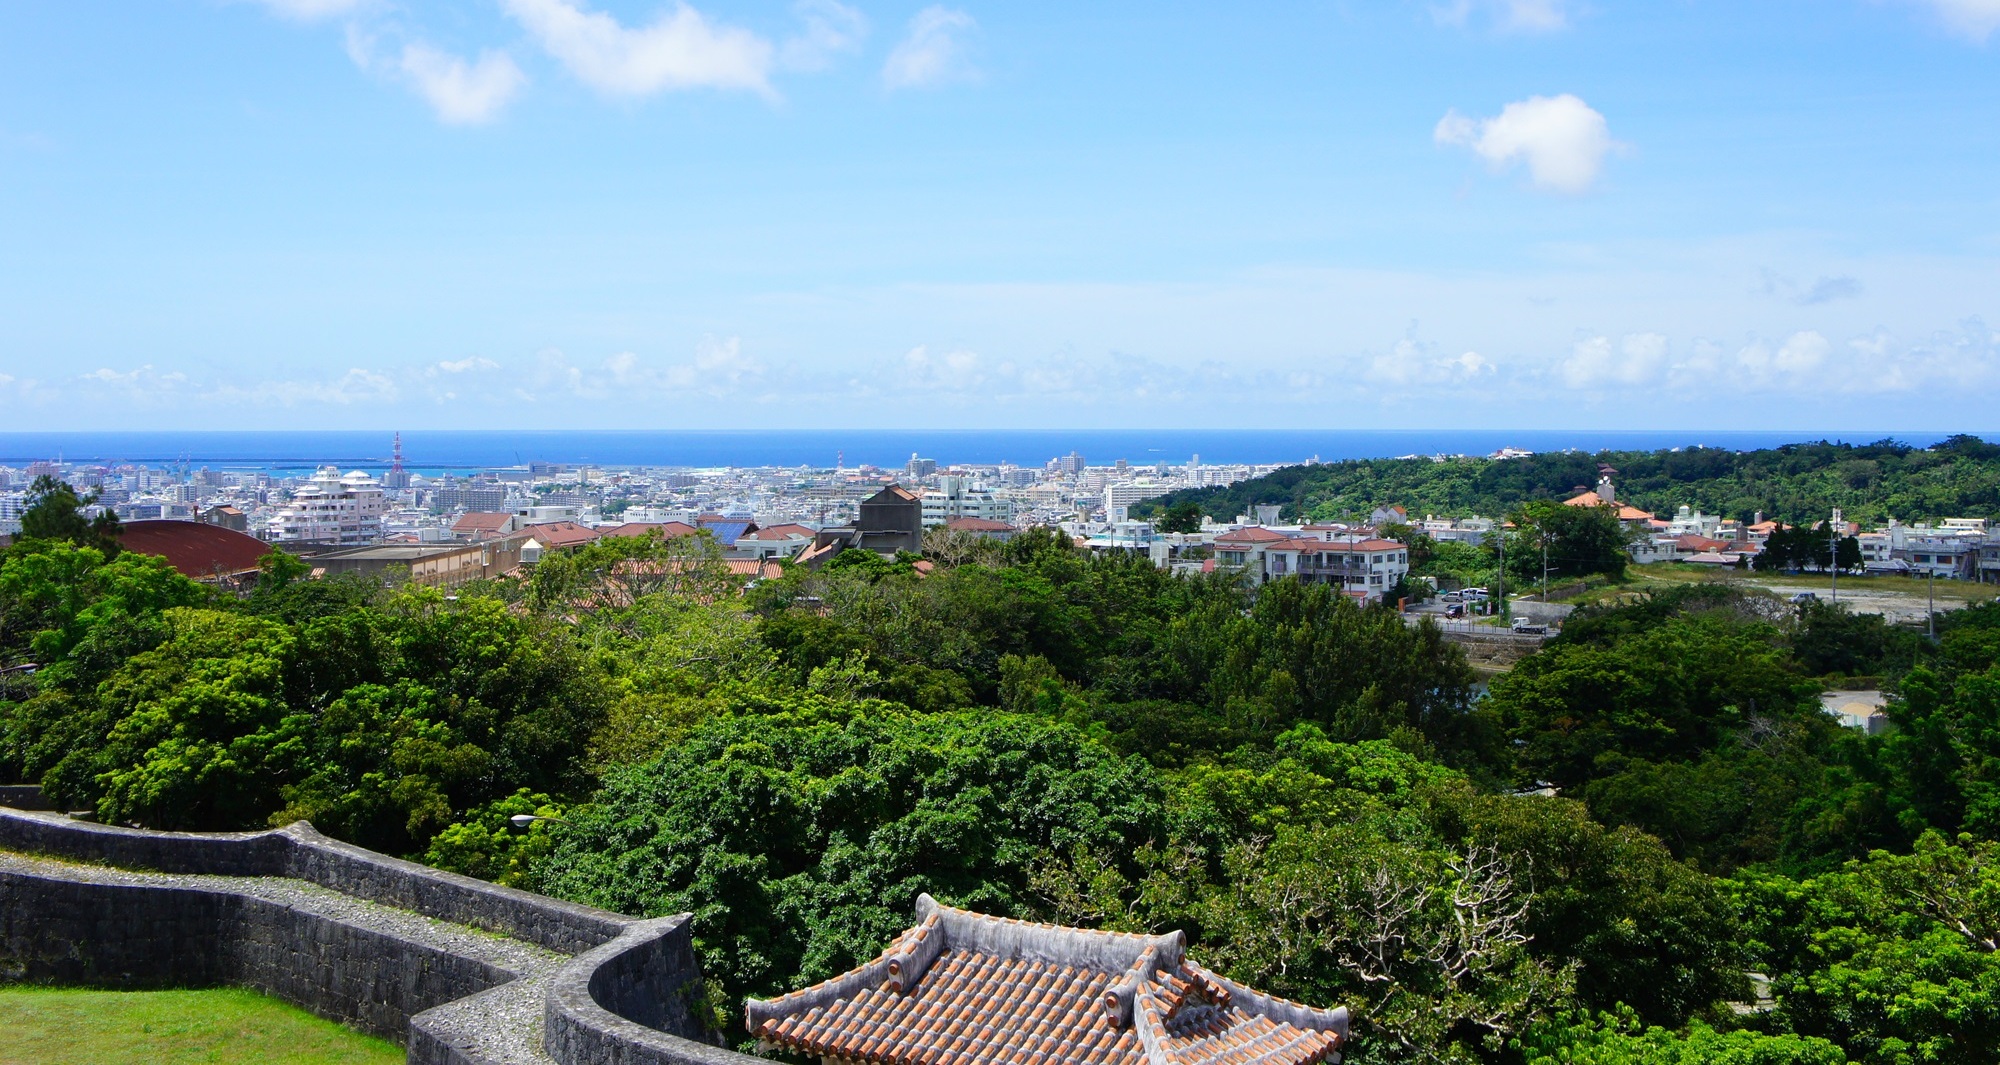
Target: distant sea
[{"x": 461, "y": 450}]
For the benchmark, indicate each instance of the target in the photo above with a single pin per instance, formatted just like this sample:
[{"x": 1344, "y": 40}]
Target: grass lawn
[{"x": 229, "y": 1026}]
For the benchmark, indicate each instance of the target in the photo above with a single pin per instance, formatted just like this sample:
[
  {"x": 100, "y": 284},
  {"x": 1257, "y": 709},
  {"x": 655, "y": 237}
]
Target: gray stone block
[{"x": 462, "y": 971}]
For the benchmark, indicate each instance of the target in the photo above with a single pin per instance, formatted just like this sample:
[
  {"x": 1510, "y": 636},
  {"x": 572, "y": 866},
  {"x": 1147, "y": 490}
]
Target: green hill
[{"x": 1959, "y": 477}]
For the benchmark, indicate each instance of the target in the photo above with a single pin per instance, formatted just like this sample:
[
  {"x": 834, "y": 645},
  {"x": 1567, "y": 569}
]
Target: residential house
[
  {"x": 773, "y": 541},
  {"x": 985, "y": 528},
  {"x": 485, "y": 525}
]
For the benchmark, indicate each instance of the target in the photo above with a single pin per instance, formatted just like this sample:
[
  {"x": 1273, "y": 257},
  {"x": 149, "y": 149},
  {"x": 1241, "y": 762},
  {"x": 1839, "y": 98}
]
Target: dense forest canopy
[
  {"x": 1959, "y": 477},
  {"x": 1321, "y": 795}
]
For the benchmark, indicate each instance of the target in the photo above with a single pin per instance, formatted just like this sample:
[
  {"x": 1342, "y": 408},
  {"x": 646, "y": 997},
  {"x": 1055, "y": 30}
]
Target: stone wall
[
  {"x": 385, "y": 946},
  {"x": 63, "y": 931}
]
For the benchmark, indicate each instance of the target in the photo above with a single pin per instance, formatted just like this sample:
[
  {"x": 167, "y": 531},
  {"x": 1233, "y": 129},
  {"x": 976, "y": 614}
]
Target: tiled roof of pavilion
[{"x": 961, "y": 988}]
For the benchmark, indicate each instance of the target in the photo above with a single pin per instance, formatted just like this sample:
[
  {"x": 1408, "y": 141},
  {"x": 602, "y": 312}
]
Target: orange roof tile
[
  {"x": 978, "y": 525},
  {"x": 562, "y": 534},
  {"x": 1250, "y": 535},
  {"x": 962, "y": 987},
  {"x": 666, "y": 529},
  {"x": 482, "y": 521}
]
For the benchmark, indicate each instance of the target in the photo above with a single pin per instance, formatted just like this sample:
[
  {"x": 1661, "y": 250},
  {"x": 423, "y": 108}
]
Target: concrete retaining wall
[{"x": 568, "y": 983}]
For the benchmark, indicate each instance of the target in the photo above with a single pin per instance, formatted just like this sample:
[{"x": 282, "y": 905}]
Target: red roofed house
[
  {"x": 667, "y": 529},
  {"x": 477, "y": 526},
  {"x": 196, "y": 549},
  {"x": 964, "y": 987},
  {"x": 983, "y": 527},
  {"x": 560, "y": 535},
  {"x": 1607, "y": 496}
]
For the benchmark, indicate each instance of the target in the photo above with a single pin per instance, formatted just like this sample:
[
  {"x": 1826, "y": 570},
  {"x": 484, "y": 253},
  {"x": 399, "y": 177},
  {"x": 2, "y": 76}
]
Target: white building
[
  {"x": 1363, "y": 568},
  {"x": 956, "y": 498},
  {"x": 1120, "y": 495},
  {"x": 331, "y": 508}
]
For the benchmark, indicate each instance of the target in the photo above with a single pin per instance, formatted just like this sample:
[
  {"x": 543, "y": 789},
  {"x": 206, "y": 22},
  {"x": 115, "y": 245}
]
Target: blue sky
[{"x": 618, "y": 214}]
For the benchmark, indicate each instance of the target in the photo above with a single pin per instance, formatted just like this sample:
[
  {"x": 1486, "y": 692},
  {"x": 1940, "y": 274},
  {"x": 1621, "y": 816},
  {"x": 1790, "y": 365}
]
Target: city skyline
[{"x": 545, "y": 214}]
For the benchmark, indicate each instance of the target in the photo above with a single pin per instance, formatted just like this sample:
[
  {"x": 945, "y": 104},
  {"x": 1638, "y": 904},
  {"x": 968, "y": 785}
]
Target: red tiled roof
[
  {"x": 480, "y": 521},
  {"x": 1626, "y": 511},
  {"x": 562, "y": 534},
  {"x": 195, "y": 548},
  {"x": 978, "y": 525},
  {"x": 1250, "y": 535},
  {"x": 1691, "y": 542},
  {"x": 961, "y": 987},
  {"x": 1342, "y": 546},
  {"x": 667, "y": 529}
]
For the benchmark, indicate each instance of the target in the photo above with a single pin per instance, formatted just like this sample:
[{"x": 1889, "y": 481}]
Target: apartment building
[{"x": 333, "y": 508}]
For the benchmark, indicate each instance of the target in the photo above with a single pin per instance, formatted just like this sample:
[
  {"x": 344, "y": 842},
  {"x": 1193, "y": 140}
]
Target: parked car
[{"x": 1530, "y": 628}]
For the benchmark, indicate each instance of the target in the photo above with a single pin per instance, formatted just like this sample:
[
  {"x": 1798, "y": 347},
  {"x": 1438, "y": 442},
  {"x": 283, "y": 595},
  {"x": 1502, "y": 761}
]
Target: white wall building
[
  {"x": 332, "y": 508},
  {"x": 956, "y": 498},
  {"x": 1120, "y": 495}
]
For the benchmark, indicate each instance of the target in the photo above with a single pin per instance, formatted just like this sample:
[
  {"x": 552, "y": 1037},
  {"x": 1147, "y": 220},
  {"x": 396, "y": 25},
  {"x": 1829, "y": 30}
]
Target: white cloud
[
  {"x": 953, "y": 371},
  {"x": 313, "y": 10},
  {"x": 462, "y": 93},
  {"x": 1974, "y": 20},
  {"x": 1412, "y": 362},
  {"x": 681, "y": 50},
  {"x": 830, "y": 28},
  {"x": 1824, "y": 290},
  {"x": 1562, "y": 139},
  {"x": 356, "y": 386},
  {"x": 719, "y": 368},
  {"x": 1828, "y": 289},
  {"x": 1525, "y": 16},
  {"x": 932, "y": 53},
  {"x": 464, "y": 365},
  {"x": 1638, "y": 359}
]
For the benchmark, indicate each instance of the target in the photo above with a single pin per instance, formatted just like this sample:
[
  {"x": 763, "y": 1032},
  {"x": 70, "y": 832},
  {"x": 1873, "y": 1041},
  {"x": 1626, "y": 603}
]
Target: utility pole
[
  {"x": 1833, "y": 552},
  {"x": 1545, "y": 565},
  {"x": 1930, "y": 616}
]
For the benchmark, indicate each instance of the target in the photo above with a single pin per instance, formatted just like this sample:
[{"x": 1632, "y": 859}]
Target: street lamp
[{"x": 524, "y": 820}]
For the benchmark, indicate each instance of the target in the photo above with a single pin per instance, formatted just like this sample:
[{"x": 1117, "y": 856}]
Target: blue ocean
[{"x": 460, "y": 450}]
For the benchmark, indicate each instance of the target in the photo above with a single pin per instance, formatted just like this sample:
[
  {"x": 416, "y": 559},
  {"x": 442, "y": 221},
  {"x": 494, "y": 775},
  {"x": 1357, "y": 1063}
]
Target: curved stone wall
[{"x": 386, "y": 946}]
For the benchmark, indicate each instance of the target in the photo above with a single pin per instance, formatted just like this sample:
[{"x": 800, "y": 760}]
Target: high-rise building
[
  {"x": 954, "y": 498},
  {"x": 1070, "y": 465},
  {"x": 332, "y": 508}
]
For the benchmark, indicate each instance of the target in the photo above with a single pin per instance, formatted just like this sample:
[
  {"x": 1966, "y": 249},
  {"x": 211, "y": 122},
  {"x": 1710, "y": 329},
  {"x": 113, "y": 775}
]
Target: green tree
[
  {"x": 801, "y": 839},
  {"x": 1571, "y": 541},
  {"x": 55, "y": 512},
  {"x": 1182, "y": 517},
  {"x": 201, "y": 735}
]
